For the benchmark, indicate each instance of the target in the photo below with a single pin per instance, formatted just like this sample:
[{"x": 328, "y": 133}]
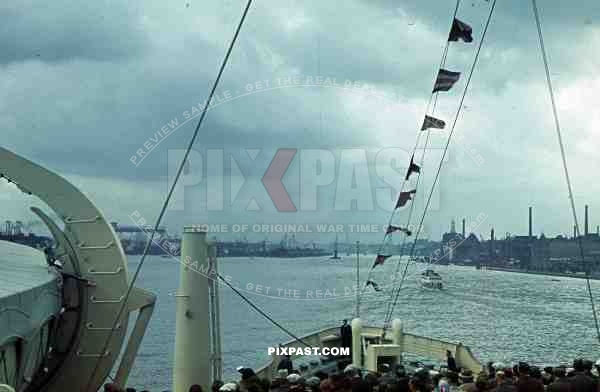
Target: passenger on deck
[
  {"x": 494, "y": 368},
  {"x": 280, "y": 383},
  {"x": 322, "y": 375},
  {"x": 453, "y": 380},
  {"x": 451, "y": 361},
  {"x": 372, "y": 379},
  {"x": 482, "y": 383},
  {"x": 229, "y": 387},
  {"x": 403, "y": 380},
  {"x": 346, "y": 334},
  {"x": 589, "y": 368},
  {"x": 296, "y": 382},
  {"x": 312, "y": 384},
  {"x": 387, "y": 377},
  {"x": 286, "y": 363},
  {"x": 466, "y": 380},
  {"x": 580, "y": 381},
  {"x": 249, "y": 381},
  {"x": 110, "y": 387},
  {"x": 421, "y": 382},
  {"x": 334, "y": 383},
  {"x": 547, "y": 376},
  {"x": 504, "y": 383},
  {"x": 216, "y": 385},
  {"x": 525, "y": 382},
  {"x": 442, "y": 384},
  {"x": 561, "y": 382},
  {"x": 491, "y": 371},
  {"x": 354, "y": 379}
]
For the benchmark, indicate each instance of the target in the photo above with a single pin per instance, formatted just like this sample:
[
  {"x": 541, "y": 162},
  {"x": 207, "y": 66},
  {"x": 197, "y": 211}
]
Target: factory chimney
[
  {"x": 530, "y": 222},
  {"x": 463, "y": 227},
  {"x": 492, "y": 234},
  {"x": 585, "y": 222}
]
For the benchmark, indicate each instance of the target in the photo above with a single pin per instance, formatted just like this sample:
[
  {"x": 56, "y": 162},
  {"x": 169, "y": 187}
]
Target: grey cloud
[
  {"x": 63, "y": 30},
  {"x": 88, "y": 116}
]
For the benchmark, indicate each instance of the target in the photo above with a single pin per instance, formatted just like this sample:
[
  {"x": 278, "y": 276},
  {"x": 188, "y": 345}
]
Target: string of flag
[
  {"x": 445, "y": 80},
  {"x": 458, "y": 29}
]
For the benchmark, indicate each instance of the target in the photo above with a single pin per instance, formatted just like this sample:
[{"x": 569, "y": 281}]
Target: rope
[
  {"x": 564, "y": 161},
  {"x": 170, "y": 193},
  {"x": 441, "y": 161},
  {"x": 262, "y": 313}
]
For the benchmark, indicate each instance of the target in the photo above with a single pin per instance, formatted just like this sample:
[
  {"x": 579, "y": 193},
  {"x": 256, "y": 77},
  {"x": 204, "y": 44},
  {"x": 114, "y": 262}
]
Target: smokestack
[
  {"x": 585, "y": 222},
  {"x": 463, "y": 227},
  {"x": 492, "y": 234},
  {"x": 530, "y": 222}
]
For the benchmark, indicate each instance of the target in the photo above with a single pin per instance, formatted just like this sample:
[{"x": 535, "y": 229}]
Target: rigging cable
[
  {"x": 262, "y": 313},
  {"x": 388, "y": 318},
  {"x": 564, "y": 160},
  {"x": 170, "y": 193}
]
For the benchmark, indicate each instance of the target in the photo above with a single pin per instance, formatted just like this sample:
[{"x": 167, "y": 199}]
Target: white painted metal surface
[
  {"x": 192, "y": 363},
  {"x": 357, "y": 342},
  {"x": 215, "y": 317},
  {"x": 29, "y": 300},
  {"x": 412, "y": 344},
  {"x": 91, "y": 250}
]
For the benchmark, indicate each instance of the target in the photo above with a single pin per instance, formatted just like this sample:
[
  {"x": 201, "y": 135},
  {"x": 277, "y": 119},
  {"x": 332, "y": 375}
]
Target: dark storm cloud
[
  {"x": 511, "y": 43},
  {"x": 114, "y": 76},
  {"x": 64, "y": 30}
]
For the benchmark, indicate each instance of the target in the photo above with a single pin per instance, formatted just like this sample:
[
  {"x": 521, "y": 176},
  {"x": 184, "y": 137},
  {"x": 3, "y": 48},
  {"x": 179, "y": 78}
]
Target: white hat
[
  {"x": 294, "y": 378},
  {"x": 313, "y": 381},
  {"x": 433, "y": 372},
  {"x": 282, "y": 373},
  {"x": 498, "y": 365},
  {"x": 598, "y": 362},
  {"x": 350, "y": 369},
  {"x": 229, "y": 387}
]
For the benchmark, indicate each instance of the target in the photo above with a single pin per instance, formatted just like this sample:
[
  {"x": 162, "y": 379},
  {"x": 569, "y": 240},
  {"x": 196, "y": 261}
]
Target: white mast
[{"x": 192, "y": 363}]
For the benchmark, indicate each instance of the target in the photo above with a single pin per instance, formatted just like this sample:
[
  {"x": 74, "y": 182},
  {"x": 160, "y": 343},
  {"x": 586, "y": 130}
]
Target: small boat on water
[{"x": 431, "y": 279}]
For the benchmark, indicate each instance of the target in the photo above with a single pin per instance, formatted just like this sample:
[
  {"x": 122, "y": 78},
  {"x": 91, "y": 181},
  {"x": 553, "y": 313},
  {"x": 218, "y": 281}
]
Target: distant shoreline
[{"x": 556, "y": 274}]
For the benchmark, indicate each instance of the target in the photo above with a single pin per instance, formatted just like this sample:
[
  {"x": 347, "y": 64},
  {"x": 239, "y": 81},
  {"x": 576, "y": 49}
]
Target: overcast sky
[{"x": 84, "y": 87}]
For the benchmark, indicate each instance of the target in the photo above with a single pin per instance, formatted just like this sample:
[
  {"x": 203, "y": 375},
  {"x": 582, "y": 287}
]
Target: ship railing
[{"x": 411, "y": 344}]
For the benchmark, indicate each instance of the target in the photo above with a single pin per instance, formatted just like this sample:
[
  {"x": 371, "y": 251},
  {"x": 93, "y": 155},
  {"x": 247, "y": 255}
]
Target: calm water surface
[{"x": 499, "y": 315}]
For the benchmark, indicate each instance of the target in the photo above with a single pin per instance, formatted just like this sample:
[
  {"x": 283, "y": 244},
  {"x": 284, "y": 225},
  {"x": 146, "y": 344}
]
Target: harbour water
[{"x": 499, "y": 315}]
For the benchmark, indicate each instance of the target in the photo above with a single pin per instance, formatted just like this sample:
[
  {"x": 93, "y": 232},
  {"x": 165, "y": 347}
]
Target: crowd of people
[{"x": 582, "y": 376}]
